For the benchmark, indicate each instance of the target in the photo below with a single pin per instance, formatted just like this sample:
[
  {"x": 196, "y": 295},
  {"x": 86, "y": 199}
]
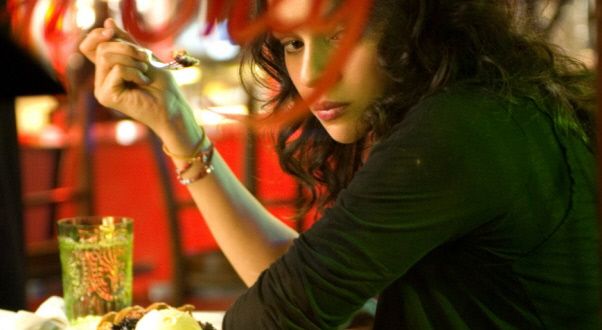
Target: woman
[{"x": 450, "y": 159}]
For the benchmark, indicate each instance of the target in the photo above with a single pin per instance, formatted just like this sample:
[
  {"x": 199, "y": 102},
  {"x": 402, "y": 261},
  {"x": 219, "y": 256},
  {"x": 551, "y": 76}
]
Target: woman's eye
[{"x": 292, "y": 45}]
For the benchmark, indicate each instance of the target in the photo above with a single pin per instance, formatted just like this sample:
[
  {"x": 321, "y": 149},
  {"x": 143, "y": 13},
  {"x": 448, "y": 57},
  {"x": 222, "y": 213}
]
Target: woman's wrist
[
  {"x": 188, "y": 146},
  {"x": 180, "y": 133},
  {"x": 179, "y": 146},
  {"x": 196, "y": 165}
]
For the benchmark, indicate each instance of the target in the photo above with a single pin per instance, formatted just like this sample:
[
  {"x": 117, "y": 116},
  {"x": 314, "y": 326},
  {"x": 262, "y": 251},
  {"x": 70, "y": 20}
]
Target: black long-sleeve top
[{"x": 477, "y": 212}]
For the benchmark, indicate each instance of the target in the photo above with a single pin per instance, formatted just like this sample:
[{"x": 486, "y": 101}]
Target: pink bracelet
[{"x": 204, "y": 157}]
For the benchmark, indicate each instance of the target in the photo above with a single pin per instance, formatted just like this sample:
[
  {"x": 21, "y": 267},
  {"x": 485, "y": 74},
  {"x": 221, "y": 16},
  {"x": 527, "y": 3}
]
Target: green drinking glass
[{"x": 96, "y": 262}]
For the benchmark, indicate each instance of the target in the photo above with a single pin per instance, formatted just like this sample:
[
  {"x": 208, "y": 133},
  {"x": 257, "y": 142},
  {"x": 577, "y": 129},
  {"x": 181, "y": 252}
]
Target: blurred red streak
[
  {"x": 57, "y": 36},
  {"x": 136, "y": 27},
  {"x": 352, "y": 13},
  {"x": 20, "y": 12}
]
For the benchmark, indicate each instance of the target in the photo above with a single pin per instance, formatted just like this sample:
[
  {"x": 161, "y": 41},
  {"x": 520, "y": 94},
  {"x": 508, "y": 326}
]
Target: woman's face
[{"x": 340, "y": 109}]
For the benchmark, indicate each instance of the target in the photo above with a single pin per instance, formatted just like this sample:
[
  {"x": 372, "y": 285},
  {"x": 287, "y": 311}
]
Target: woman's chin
[
  {"x": 344, "y": 137},
  {"x": 344, "y": 134}
]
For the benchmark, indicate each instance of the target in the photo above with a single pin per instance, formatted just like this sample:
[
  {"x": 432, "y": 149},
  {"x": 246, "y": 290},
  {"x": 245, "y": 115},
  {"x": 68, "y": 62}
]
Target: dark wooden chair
[{"x": 42, "y": 263}]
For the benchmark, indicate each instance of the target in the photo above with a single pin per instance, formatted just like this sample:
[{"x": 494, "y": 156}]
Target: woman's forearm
[{"x": 250, "y": 236}]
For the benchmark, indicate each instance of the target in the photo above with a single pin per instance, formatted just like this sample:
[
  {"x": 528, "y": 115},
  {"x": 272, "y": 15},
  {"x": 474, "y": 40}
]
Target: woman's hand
[{"x": 124, "y": 80}]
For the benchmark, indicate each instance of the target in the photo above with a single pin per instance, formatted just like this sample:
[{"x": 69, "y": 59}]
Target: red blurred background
[{"x": 70, "y": 141}]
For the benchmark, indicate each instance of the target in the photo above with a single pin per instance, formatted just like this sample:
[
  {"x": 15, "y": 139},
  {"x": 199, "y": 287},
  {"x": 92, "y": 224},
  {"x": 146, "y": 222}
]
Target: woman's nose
[{"x": 314, "y": 64}]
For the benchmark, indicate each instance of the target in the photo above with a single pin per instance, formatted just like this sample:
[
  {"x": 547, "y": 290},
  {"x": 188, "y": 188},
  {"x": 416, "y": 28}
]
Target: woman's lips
[{"x": 326, "y": 111}]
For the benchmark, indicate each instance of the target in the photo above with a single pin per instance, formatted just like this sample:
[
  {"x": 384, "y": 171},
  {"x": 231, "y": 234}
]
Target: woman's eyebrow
[{"x": 282, "y": 34}]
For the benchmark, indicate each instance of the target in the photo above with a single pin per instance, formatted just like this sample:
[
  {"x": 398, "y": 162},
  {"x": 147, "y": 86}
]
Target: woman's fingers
[
  {"x": 109, "y": 54},
  {"x": 120, "y": 47},
  {"x": 93, "y": 39},
  {"x": 120, "y": 83},
  {"x": 97, "y": 36},
  {"x": 110, "y": 23}
]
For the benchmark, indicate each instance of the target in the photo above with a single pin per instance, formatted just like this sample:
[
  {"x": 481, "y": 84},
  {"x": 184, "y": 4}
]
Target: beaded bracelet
[
  {"x": 204, "y": 157},
  {"x": 199, "y": 155}
]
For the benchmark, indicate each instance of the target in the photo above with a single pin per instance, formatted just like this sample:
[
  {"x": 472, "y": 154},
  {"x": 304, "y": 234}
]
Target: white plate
[{"x": 213, "y": 317}]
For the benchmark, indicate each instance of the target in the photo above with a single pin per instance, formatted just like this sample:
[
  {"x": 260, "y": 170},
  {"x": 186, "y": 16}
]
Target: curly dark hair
[{"x": 425, "y": 46}]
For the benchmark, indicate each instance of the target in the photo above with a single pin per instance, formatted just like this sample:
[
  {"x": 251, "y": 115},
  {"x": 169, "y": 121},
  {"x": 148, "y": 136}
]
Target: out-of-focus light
[
  {"x": 187, "y": 76},
  {"x": 214, "y": 116},
  {"x": 127, "y": 132},
  {"x": 207, "y": 118},
  {"x": 230, "y": 109},
  {"x": 215, "y": 46},
  {"x": 114, "y": 5},
  {"x": 33, "y": 113},
  {"x": 115, "y": 11},
  {"x": 144, "y": 6},
  {"x": 224, "y": 94},
  {"x": 38, "y": 17},
  {"x": 51, "y": 135},
  {"x": 156, "y": 13},
  {"x": 221, "y": 50},
  {"x": 85, "y": 16},
  {"x": 218, "y": 46}
]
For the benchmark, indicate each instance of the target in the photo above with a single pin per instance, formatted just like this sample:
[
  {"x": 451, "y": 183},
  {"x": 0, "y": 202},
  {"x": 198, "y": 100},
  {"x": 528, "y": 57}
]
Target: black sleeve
[{"x": 440, "y": 175}]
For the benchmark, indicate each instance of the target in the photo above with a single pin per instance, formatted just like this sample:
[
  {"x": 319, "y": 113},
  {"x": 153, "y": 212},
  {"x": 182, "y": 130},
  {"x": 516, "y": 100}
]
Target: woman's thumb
[{"x": 110, "y": 23}]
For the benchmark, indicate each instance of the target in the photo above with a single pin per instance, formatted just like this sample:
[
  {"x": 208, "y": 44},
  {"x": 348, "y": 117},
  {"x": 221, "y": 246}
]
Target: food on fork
[
  {"x": 184, "y": 59},
  {"x": 158, "y": 316},
  {"x": 180, "y": 58}
]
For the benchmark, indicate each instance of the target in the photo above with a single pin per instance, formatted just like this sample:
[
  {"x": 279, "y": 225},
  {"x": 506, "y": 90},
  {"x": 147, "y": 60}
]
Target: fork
[
  {"x": 158, "y": 64},
  {"x": 152, "y": 59}
]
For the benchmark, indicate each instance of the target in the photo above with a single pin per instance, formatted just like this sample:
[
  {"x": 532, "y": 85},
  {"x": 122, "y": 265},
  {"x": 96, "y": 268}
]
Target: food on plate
[
  {"x": 89, "y": 322},
  {"x": 158, "y": 316}
]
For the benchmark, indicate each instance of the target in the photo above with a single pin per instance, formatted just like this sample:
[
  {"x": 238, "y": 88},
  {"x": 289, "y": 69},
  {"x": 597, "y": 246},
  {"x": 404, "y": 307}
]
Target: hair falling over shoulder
[{"x": 425, "y": 46}]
